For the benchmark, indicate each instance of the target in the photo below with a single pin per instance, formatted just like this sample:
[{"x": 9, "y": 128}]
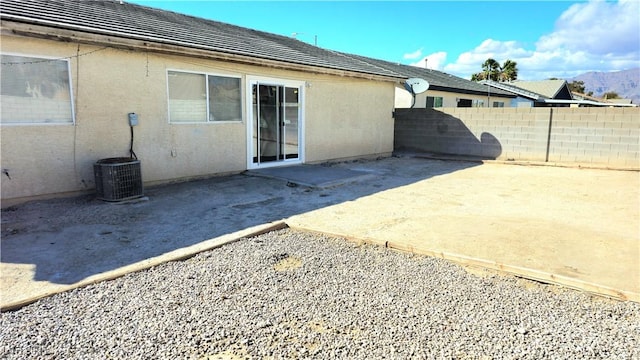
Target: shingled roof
[
  {"x": 438, "y": 80},
  {"x": 535, "y": 90},
  {"x": 552, "y": 89},
  {"x": 130, "y": 21}
]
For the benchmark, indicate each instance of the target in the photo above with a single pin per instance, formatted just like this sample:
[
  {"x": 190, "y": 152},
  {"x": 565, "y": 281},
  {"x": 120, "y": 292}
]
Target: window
[
  {"x": 434, "y": 101},
  {"x": 478, "y": 103},
  {"x": 464, "y": 102},
  {"x": 35, "y": 91},
  {"x": 197, "y": 98},
  {"x": 498, "y": 104}
]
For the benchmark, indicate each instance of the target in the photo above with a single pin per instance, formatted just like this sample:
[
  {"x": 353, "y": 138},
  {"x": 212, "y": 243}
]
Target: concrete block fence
[{"x": 591, "y": 136}]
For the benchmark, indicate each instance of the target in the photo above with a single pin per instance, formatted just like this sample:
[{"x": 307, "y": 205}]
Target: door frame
[{"x": 300, "y": 85}]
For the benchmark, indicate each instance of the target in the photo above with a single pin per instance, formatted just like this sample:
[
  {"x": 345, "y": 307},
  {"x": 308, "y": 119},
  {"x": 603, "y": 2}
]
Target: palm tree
[
  {"x": 492, "y": 70},
  {"x": 478, "y": 76},
  {"x": 508, "y": 71}
]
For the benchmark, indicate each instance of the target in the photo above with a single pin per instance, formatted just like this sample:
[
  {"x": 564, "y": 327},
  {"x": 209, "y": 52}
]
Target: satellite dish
[{"x": 416, "y": 85}]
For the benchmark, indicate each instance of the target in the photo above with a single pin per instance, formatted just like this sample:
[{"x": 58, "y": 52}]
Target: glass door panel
[
  {"x": 269, "y": 115},
  {"x": 265, "y": 123},
  {"x": 290, "y": 123},
  {"x": 275, "y": 123}
]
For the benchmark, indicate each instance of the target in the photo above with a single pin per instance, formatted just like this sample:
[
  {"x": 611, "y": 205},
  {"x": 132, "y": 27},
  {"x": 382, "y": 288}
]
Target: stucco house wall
[
  {"x": 521, "y": 102},
  {"x": 403, "y": 98},
  {"x": 348, "y": 118},
  {"x": 344, "y": 118}
]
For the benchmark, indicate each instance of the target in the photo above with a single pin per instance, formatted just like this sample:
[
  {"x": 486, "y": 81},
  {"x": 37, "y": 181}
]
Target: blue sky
[{"x": 546, "y": 38}]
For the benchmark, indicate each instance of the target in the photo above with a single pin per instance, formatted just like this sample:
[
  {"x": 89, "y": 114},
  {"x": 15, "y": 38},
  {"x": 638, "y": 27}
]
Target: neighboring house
[
  {"x": 594, "y": 101},
  {"x": 211, "y": 98},
  {"x": 445, "y": 90},
  {"x": 544, "y": 93}
]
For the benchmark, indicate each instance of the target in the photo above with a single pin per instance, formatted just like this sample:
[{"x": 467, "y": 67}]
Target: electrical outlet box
[{"x": 133, "y": 119}]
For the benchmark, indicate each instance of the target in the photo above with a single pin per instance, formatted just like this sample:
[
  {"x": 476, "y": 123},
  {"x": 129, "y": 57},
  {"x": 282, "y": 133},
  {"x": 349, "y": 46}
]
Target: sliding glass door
[{"x": 275, "y": 131}]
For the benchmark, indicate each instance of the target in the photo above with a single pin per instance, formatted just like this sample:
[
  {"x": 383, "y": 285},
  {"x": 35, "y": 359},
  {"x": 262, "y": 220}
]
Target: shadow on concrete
[
  {"x": 64, "y": 241},
  {"x": 432, "y": 131}
]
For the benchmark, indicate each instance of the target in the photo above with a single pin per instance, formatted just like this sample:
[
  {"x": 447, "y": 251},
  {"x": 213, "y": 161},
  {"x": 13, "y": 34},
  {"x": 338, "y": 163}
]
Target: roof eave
[
  {"x": 586, "y": 102},
  {"x": 42, "y": 29},
  {"x": 466, "y": 91}
]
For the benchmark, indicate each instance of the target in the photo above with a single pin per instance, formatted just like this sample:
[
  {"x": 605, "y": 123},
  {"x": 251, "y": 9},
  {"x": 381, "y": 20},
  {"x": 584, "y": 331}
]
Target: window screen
[
  {"x": 187, "y": 97},
  {"x": 203, "y": 98},
  {"x": 224, "y": 99},
  {"x": 35, "y": 91}
]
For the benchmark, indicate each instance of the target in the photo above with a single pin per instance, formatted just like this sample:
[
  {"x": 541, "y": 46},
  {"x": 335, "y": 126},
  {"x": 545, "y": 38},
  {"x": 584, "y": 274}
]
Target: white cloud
[
  {"x": 591, "y": 36},
  {"x": 597, "y": 27},
  {"x": 414, "y": 55},
  {"x": 434, "y": 61},
  {"x": 471, "y": 61}
]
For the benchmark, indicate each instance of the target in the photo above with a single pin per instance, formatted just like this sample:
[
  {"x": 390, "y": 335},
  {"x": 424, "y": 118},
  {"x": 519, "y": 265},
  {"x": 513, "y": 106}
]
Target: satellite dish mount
[{"x": 416, "y": 86}]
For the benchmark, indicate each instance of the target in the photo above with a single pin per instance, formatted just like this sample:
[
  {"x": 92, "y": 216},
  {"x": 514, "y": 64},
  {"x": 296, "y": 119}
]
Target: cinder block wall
[
  {"x": 603, "y": 136},
  {"x": 596, "y": 136}
]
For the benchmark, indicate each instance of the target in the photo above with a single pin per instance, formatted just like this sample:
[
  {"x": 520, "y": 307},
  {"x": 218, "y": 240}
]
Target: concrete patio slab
[
  {"x": 315, "y": 176},
  {"x": 575, "y": 227},
  {"x": 561, "y": 226}
]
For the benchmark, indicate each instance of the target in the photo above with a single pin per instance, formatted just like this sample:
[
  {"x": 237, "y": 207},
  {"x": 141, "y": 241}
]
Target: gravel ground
[{"x": 294, "y": 295}]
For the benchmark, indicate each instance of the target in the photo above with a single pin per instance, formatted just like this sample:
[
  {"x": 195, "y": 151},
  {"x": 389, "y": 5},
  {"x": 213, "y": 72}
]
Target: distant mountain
[{"x": 625, "y": 83}]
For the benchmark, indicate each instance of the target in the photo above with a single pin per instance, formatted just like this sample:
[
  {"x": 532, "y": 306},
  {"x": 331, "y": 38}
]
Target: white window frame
[
  {"x": 301, "y": 85},
  {"x": 207, "y": 120},
  {"x": 434, "y": 102},
  {"x": 71, "y": 98}
]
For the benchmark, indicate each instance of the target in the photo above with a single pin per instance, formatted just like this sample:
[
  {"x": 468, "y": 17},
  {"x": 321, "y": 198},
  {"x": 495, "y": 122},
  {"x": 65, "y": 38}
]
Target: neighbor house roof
[
  {"x": 118, "y": 19},
  {"x": 510, "y": 87},
  {"x": 438, "y": 80},
  {"x": 558, "y": 88},
  {"x": 619, "y": 101},
  {"x": 547, "y": 91},
  {"x": 580, "y": 96},
  {"x": 603, "y": 102},
  {"x": 552, "y": 89}
]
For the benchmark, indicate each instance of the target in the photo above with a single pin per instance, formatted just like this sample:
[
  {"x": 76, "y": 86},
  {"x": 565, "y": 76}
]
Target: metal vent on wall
[{"x": 118, "y": 179}]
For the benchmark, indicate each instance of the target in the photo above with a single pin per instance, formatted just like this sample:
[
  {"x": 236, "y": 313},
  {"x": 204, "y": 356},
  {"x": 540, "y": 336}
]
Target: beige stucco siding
[
  {"x": 107, "y": 85},
  {"x": 403, "y": 98},
  {"x": 348, "y": 118},
  {"x": 38, "y": 160},
  {"x": 344, "y": 117}
]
